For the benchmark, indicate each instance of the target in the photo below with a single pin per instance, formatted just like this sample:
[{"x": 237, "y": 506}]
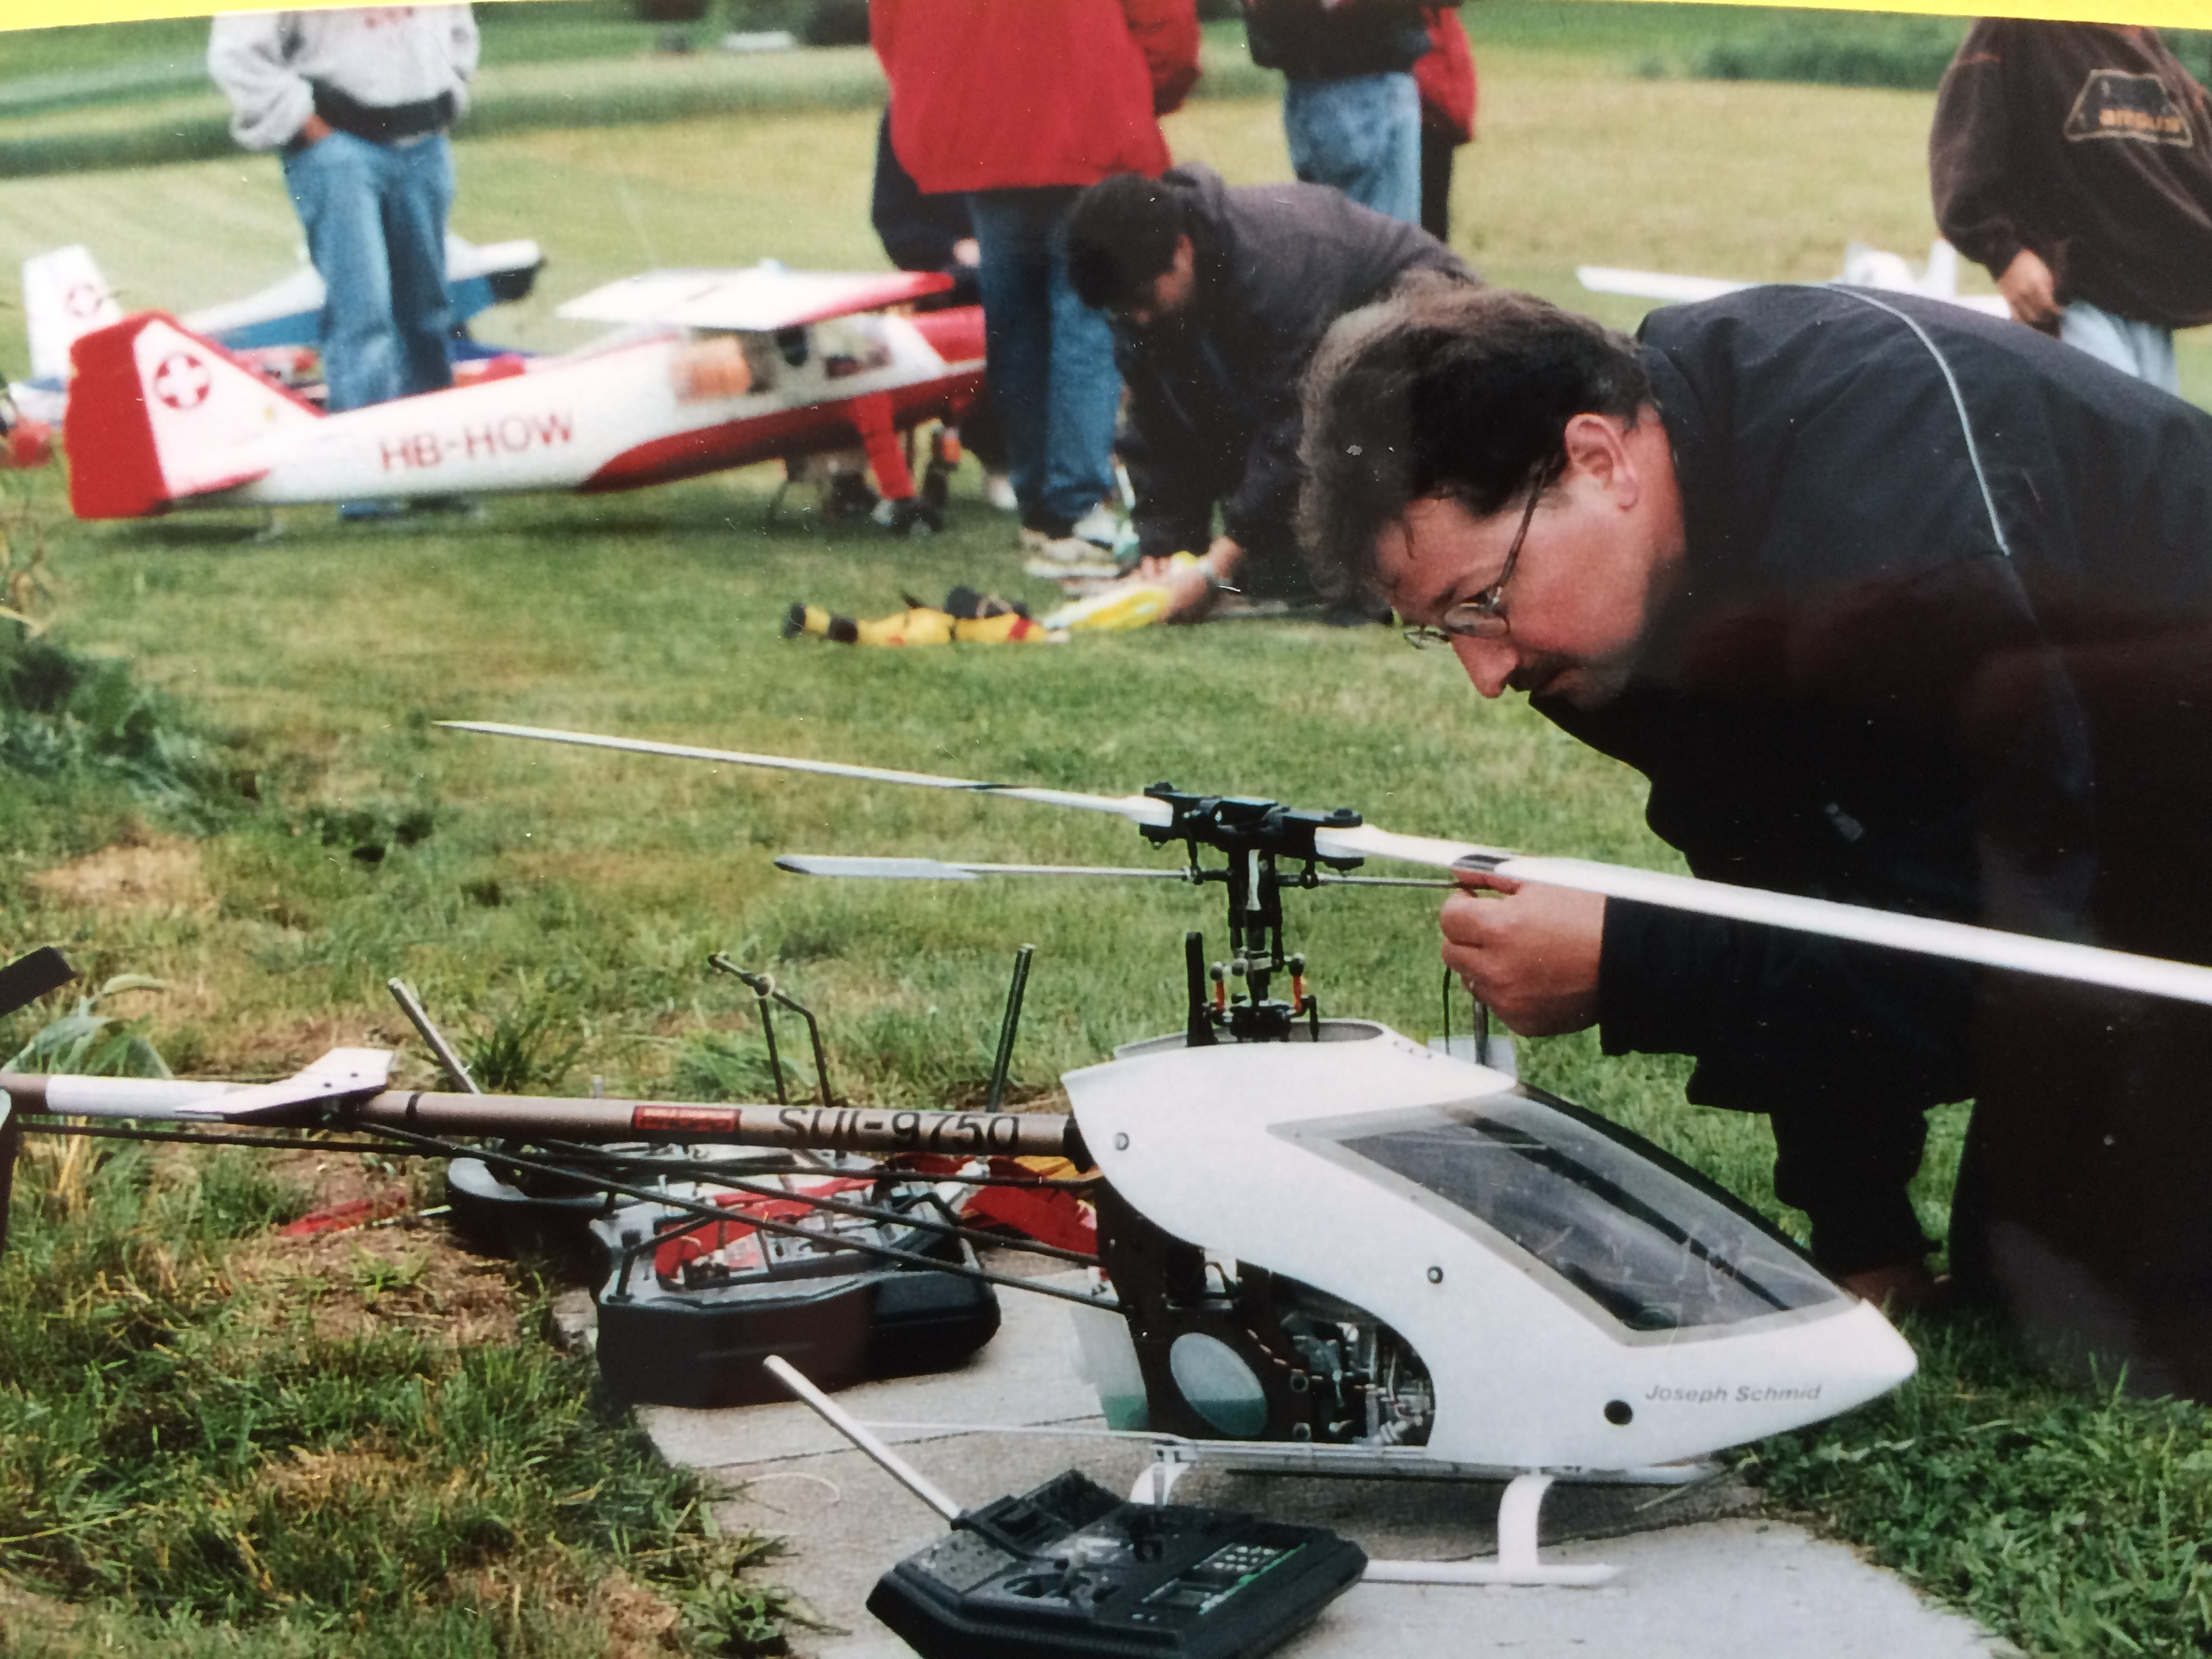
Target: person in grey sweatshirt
[{"x": 356, "y": 103}]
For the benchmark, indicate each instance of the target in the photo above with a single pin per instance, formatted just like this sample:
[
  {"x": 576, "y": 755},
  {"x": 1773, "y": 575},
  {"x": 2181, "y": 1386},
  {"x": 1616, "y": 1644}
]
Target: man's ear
[{"x": 1597, "y": 448}]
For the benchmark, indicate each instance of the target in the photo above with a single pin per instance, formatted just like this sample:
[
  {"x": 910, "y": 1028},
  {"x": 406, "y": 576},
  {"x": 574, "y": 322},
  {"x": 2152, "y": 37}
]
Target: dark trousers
[
  {"x": 1848, "y": 1170},
  {"x": 1437, "y": 151}
]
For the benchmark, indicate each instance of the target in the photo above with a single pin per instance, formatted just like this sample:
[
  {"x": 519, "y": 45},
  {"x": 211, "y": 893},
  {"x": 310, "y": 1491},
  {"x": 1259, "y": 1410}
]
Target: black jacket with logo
[{"x": 2088, "y": 144}]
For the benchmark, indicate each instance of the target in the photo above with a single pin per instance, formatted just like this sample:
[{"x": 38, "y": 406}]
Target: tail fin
[
  {"x": 64, "y": 298},
  {"x": 157, "y": 414}
]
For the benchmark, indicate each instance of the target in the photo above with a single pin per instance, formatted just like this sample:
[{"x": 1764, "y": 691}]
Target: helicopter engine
[{"x": 1229, "y": 1351}]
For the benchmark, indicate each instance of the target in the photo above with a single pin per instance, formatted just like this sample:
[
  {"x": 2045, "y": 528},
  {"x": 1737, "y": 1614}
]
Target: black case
[{"x": 701, "y": 1346}]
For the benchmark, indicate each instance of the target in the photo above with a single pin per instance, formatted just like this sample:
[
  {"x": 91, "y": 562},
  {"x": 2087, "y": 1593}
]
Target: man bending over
[
  {"x": 1218, "y": 298},
  {"x": 1892, "y": 604}
]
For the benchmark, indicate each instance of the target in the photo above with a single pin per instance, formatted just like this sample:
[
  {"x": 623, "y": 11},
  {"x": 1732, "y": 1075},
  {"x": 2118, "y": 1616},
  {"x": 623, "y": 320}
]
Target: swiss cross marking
[{"x": 183, "y": 381}]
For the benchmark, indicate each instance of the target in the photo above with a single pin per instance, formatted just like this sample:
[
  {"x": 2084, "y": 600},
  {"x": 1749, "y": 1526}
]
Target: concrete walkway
[{"x": 1705, "y": 1575}]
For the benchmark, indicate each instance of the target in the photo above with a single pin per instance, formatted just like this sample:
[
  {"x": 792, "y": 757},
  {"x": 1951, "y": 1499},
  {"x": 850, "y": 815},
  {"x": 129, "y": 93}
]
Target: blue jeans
[
  {"x": 1361, "y": 133},
  {"x": 1051, "y": 357},
  {"x": 376, "y": 218},
  {"x": 2142, "y": 349}
]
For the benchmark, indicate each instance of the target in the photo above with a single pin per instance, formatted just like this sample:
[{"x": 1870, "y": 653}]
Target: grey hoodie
[{"x": 269, "y": 63}]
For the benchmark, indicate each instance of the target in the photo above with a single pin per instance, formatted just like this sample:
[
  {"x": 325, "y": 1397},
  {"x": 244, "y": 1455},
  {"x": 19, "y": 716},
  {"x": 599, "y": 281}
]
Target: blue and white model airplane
[{"x": 65, "y": 297}]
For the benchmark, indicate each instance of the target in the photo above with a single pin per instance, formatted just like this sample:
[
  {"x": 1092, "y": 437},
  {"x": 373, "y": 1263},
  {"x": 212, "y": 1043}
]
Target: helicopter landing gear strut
[{"x": 1517, "y": 1561}]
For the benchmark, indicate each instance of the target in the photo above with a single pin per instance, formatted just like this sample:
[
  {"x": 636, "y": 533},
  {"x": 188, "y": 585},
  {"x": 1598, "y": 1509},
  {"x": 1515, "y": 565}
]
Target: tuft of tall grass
[
  {"x": 724, "y": 1065},
  {"x": 176, "y": 1464},
  {"x": 524, "y": 1041},
  {"x": 62, "y": 712},
  {"x": 85, "y": 1042}
]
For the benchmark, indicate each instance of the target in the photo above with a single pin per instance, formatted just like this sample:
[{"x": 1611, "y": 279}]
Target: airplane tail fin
[
  {"x": 64, "y": 298},
  {"x": 157, "y": 414}
]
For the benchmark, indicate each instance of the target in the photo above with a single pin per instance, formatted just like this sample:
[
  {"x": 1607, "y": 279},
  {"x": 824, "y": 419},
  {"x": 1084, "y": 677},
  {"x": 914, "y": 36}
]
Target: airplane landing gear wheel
[{"x": 913, "y": 519}]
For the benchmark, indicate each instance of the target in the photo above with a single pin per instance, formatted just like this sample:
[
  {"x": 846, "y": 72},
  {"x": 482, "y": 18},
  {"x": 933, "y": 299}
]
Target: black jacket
[
  {"x": 1214, "y": 398},
  {"x": 1860, "y": 693},
  {"x": 1310, "y": 41}
]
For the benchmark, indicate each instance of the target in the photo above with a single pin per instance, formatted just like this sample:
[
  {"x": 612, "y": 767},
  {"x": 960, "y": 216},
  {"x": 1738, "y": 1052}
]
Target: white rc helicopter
[
  {"x": 703, "y": 370},
  {"x": 1530, "y": 1292}
]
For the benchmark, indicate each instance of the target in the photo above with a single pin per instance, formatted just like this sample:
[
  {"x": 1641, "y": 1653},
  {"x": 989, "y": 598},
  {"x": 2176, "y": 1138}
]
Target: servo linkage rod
[{"x": 440, "y": 1148}]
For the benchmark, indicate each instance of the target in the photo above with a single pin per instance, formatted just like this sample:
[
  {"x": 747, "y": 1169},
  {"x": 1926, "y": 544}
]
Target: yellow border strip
[
  {"x": 55, "y": 14},
  {"x": 2160, "y": 14},
  {"x": 2180, "y": 14}
]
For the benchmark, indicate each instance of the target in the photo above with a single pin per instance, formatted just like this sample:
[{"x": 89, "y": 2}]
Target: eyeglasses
[{"x": 1483, "y": 616}]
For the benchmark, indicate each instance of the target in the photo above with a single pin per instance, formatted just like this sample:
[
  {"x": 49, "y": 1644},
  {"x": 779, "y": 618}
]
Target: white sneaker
[
  {"x": 1067, "y": 550},
  {"x": 998, "y": 492},
  {"x": 1101, "y": 526}
]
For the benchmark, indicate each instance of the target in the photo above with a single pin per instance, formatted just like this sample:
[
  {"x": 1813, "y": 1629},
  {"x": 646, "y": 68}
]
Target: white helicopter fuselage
[{"x": 1537, "y": 1266}]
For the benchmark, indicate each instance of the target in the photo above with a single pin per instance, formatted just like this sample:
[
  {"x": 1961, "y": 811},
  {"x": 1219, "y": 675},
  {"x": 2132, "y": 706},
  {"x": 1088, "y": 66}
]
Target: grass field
[{"x": 583, "y": 892}]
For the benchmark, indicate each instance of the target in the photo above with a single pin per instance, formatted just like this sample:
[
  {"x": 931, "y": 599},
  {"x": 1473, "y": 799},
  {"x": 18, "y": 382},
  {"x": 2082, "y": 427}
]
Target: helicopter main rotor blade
[
  {"x": 2088, "y": 964},
  {"x": 890, "y": 869},
  {"x": 1138, "y": 809}
]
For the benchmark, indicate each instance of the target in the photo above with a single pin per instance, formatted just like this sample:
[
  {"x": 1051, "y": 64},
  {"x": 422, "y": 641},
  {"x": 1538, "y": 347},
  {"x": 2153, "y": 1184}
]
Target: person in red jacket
[
  {"x": 1444, "y": 77},
  {"x": 1022, "y": 107}
]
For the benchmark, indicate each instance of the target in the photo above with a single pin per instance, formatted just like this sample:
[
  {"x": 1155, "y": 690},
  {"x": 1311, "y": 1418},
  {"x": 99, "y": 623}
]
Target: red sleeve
[
  {"x": 1166, "y": 31},
  {"x": 1445, "y": 75},
  {"x": 1969, "y": 164}
]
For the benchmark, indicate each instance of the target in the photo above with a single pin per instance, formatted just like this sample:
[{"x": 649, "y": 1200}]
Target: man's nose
[{"x": 1489, "y": 663}]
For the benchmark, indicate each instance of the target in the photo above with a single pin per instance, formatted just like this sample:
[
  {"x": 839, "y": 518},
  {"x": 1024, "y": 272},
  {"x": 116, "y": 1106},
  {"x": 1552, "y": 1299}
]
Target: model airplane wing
[
  {"x": 1991, "y": 947},
  {"x": 757, "y": 300},
  {"x": 1863, "y": 267},
  {"x": 1654, "y": 284}
]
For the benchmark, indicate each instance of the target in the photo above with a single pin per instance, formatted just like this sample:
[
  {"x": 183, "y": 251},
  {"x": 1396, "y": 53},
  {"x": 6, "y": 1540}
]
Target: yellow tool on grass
[{"x": 966, "y": 618}]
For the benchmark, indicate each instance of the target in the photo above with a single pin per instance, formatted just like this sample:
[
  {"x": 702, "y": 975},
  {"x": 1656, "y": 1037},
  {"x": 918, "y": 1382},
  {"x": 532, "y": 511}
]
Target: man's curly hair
[{"x": 1444, "y": 389}]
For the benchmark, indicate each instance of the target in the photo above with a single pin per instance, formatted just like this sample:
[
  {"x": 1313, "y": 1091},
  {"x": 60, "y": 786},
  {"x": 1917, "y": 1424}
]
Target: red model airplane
[{"x": 704, "y": 370}]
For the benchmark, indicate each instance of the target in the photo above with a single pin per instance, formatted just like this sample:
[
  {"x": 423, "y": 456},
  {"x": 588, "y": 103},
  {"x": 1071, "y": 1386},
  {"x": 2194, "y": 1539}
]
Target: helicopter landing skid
[{"x": 1518, "y": 1560}]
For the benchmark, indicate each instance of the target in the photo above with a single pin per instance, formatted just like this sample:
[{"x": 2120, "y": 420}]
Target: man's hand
[
  {"x": 312, "y": 131},
  {"x": 1531, "y": 954},
  {"x": 1190, "y": 593},
  {"x": 2030, "y": 290}
]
